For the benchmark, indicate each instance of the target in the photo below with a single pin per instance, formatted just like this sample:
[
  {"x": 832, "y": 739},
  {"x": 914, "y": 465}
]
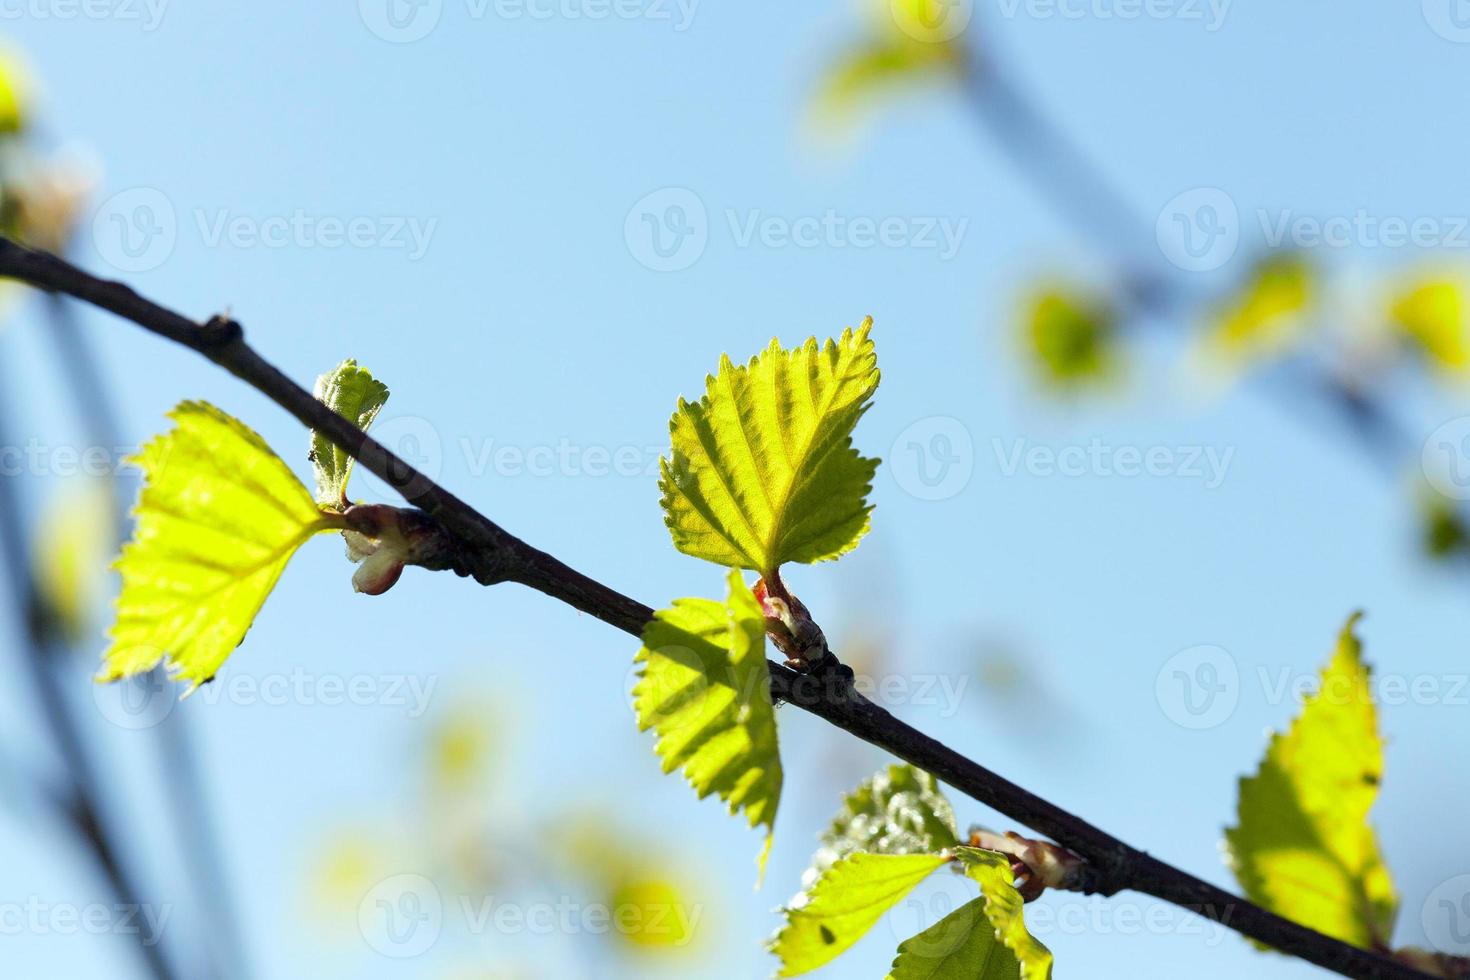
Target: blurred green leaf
[
  {"x": 462, "y": 747},
  {"x": 1303, "y": 846},
  {"x": 705, "y": 690},
  {"x": 644, "y": 876},
  {"x": 763, "y": 470},
  {"x": 910, "y": 43},
  {"x": 353, "y": 393},
  {"x": 652, "y": 913},
  {"x": 70, "y": 552},
  {"x": 1266, "y": 316},
  {"x": 219, "y": 517},
  {"x": 14, "y": 93},
  {"x": 1431, "y": 315},
  {"x": 881, "y": 67},
  {"x": 843, "y": 904},
  {"x": 1071, "y": 337},
  {"x": 1443, "y": 527}
]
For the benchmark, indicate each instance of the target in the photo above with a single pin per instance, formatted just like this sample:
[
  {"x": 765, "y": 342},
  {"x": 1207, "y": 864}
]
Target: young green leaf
[
  {"x": 1003, "y": 910},
  {"x": 353, "y": 393},
  {"x": 1303, "y": 847},
  {"x": 705, "y": 690},
  {"x": 899, "y": 810},
  {"x": 763, "y": 470},
  {"x": 219, "y": 517},
  {"x": 960, "y": 946},
  {"x": 844, "y": 903}
]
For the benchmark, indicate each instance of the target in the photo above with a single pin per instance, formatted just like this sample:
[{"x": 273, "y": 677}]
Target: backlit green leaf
[
  {"x": 353, "y": 393},
  {"x": 900, "y": 810},
  {"x": 960, "y": 946},
  {"x": 1303, "y": 846},
  {"x": 844, "y": 903},
  {"x": 219, "y": 517},
  {"x": 705, "y": 690},
  {"x": 1003, "y": 909},
  {"x": 763, "y": 470}
]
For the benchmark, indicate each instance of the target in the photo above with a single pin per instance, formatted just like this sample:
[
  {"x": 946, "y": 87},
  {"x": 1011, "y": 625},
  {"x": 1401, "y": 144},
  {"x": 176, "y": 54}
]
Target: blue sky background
[{"x": 529, "y": 321}]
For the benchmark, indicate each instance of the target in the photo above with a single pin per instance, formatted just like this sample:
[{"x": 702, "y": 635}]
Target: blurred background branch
[{"x": 41, "y": 195}]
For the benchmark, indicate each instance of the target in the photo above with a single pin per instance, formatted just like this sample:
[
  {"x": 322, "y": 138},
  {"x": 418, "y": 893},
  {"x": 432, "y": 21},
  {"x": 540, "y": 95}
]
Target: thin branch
[{"x": 491, "y": 554}]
